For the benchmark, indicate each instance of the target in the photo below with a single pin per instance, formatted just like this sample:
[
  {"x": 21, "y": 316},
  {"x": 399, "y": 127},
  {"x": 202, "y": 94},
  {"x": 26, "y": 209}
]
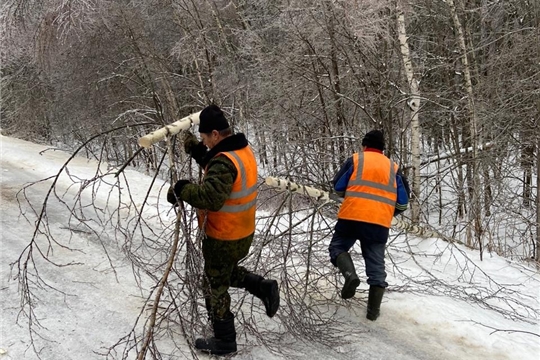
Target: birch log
[
  {"x": 171, "y": 129},
  {"x": 475, "y": 213},
  {"x": 283, "y": 184},
  {"x": 414, "y": 107},
  {"x": 286, "y": 185}
]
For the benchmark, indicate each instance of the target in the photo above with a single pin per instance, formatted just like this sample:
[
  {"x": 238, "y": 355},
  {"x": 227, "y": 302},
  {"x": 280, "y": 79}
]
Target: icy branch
[{"x": 171, "y": 129}]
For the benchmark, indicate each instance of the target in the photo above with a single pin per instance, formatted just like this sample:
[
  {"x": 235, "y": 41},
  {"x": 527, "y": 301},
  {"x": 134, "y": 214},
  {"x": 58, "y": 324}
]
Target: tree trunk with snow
[
  {"x": 475, "y": 212},
  {"x": 537, "y": 254},
  {"x": 414, "y": 105}
]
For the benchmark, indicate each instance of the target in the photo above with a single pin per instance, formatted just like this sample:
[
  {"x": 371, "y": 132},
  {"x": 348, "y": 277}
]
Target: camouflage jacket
[{"x": 220, "y": 173}]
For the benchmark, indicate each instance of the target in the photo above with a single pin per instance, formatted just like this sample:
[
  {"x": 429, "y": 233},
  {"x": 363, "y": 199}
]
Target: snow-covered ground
[{"x": 98, "y": 306}]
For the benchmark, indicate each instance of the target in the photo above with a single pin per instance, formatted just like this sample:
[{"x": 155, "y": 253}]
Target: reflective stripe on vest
[
  {"x": 236, "y": 218},
  {"x": 244, "y": 190},
  {"x": 371, "y": 192}
]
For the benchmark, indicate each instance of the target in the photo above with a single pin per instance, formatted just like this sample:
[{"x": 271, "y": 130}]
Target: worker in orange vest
[
  {"x": 226, "y": 202},
  {"x": 374, "y": 190}
]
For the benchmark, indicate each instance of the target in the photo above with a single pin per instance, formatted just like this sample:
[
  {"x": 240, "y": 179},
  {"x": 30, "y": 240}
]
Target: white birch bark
[
  {"x": 474, "y": 213},
  {"x": 283, "y": 184},
  {"x": 286, "y": 185},
  {"x": 414, "y": 105},
  {"x": 171, "y": 129}
]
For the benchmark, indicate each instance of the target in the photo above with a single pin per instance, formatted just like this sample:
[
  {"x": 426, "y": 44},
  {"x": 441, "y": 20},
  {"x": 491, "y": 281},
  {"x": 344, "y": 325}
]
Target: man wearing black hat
[
  {"x": 374, "y": 190},
  {"x": 226, "y": 207}
]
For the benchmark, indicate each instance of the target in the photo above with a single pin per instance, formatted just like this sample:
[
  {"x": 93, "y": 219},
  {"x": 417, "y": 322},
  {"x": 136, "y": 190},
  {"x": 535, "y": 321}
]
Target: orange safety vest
[
  {"x": 371, "y": 192},
  {"x": 236, "y": 219}
]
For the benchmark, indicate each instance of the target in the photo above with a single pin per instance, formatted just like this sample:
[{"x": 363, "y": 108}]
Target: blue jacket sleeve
[
  {"x": 342, "y": 177},
  {"x": 403, "y": 193}
]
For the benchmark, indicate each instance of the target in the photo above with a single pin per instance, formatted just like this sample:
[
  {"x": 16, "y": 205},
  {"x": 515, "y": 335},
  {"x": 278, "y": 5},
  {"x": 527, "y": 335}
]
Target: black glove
[
  {"x": 171, "y": 198},
  {"x": 179, "y": 186},
  {"x": 194, "y": 147},
  {"x": 198, "y": 152},
  {"x": 190, "y": 141},
  {"x": 175, "y": 192}
]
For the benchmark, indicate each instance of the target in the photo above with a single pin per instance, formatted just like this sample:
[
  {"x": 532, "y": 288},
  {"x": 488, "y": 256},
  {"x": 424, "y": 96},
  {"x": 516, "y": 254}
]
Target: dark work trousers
[
  {"x": 373, "y": 240},
  {"x": 222, "y": 271}
]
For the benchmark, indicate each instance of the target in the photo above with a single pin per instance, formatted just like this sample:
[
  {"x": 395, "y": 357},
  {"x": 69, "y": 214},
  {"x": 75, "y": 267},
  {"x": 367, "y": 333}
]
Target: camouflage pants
[{"x": 222, "y": 271}]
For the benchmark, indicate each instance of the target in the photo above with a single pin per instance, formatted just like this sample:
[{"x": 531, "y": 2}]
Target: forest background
[
  {"x": 453, "y": 80},
  {"x": 453, "y": 84}
]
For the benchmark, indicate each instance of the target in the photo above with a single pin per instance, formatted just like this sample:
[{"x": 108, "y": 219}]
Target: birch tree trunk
[
  {"x": 537, "y": 255},
  {"x": 474, "y": 214},
  {"x": 414, "y": 105},
  {"x": 335, "y": 85}
]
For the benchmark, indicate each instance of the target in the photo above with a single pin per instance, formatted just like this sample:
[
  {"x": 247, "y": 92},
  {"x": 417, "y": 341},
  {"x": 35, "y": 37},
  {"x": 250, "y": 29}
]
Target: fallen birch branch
[
  {"x": 171, "y": 129},
  {"x": 286, "y": 185}
]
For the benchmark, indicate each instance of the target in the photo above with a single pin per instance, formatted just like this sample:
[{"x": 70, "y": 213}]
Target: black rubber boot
[
  {"x": 266, "y": 290},
  {"x": 374, "y": 302},
  {"x": 224, "y": 340},
  {"x": 346, "y": 266}
]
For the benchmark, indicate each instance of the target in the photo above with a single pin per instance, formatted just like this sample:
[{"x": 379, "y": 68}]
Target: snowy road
[{"x": 98, "y": 306}]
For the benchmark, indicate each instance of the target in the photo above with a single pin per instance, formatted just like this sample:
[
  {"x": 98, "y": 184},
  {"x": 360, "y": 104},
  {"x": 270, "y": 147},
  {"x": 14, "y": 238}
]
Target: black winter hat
[
  {"x": 374, "y": 139},
  {"x": 212, "y": 118}
]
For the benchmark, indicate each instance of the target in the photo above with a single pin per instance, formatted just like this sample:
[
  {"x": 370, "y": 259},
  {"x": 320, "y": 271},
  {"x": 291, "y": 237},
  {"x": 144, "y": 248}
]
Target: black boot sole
[
  {"x": 372, "y": 316},
  {"x": 211, "y": 346}
]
